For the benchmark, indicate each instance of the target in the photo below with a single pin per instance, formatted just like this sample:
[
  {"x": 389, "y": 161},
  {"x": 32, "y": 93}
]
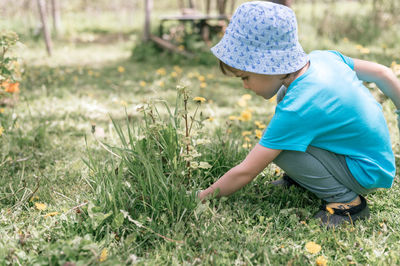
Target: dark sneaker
[
  {"x": 340, "y": 216},
  {"x": 285, "y": 181}
]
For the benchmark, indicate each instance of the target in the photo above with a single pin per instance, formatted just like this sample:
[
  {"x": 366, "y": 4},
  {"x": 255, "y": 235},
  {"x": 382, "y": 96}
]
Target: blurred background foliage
[{"x": 364, "y": 22}]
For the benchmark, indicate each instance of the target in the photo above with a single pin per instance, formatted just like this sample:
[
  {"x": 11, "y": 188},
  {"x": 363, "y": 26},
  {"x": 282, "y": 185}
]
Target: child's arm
[
  {"x": 240, "y": 175},
  {"x": 382, "y": 76}
]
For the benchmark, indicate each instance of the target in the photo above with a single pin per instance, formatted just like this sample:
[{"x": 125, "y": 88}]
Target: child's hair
[{"x": 226, "y": 69}]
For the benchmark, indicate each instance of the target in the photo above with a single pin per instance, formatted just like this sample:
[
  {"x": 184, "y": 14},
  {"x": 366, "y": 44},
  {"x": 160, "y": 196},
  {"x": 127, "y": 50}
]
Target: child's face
[{"x": 263, "y": 85}]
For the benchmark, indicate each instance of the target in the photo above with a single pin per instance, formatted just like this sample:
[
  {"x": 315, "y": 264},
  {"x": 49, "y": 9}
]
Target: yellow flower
[
  {"x": 258, "y": 133},
  {"x": 260, "y": 125},
  {"x": 345, "y": 39},
  {"x": 210, "y": 119},
  {"x": 51, "y": 214},
  {"x": 96, "y": 74},
  {"x": 40, "y": 206},
  {"x": 178, "y": 69},
  {"x": 142, "y": 83},
  {"x": 246, "y": 133},
  {"x": 90, "y": 72},
  {"x": 242, "y": 103},
  {"x": 232, "y": 117},
  {"x": 1, "y": 110},
  {"x": 272, "y": 99},
  {"x": 312, "y": 247},
  {"x": 75, "y": 78},
  {"x": 246, "y": 145},
  {"x": 210, "y": 76},
  {"x": 123, "y": 103},
  {"x": 121, "y": 69},
  {"x": 321, "y": 261},
  {"x": 161, "y": 83},
  {"x": 330, "y": 210},
  {"x": 203, "y": 85},
  {"x": 199, "y": 99},
  {"x": 1, "y": 130},
  {"x": 247, "y": 139},
  {"x": 174, "y": 74},
  {"x": 359, "y": 47},
  {"x": 161, "y": 71},
  {"x": 245, "y": 115},
  {"x": 201, "y": 78},
  {"x": 364, "y": 50},
  {"x": 246, "y": 97},
  {"x": 181, "y": 48},
  {"x": 103, "y": 255}
]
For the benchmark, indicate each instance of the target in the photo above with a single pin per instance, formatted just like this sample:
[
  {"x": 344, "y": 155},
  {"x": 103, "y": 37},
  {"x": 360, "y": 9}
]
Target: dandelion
[
  {"x": 75, "y": 78},
  {"x": 210, "y": 119},
  {"x": 201, "y": 78},
  {"x": 364, "y": 50},
  {"x": 232, "y": 118},
  {"x": 199, "y": 99},
  {"x": 40, "y": 206},
  {"x": 203, "y": 85},
  {"x": 247, "y": 139},
  {"x": 178, "y": 69},
  {"x": 191, "y": 75},
  {"x": 142, "y": 83},
  {"x": 321, "y": 261},
  {"x": 161, "y": 71},
  {"x": 245, "y": 115},
  {"x": 1, "y": 110},
  {"x": 242, "y": 103},
  {"x": 260, "y": 125},
  {"x": 123, "y": 103},
  {"x": 272, "y": 99},
  {"x": 96, "y": 74},
  {"x": 161, "y": 83},
  {"x": 181, "y": 48},
  {"x": 359, "y": 47},
  {"x": 246, "y": 145},
  {"x": 210, "y": 76},
  {"x": 51, "y": 214},
  {"x": 246, "y": 97},
  {"x": 330, "y": 210},
  {"x": 103, "y": 255},
  {"x": 312, "y": 247},
  {"x": 1, "y": 130},
  {"x": 174, "y": 74},
  {"x": 246, "y": 133},
  {"x": 121, "y": 69},
  {"x": 258, "y": 133},
  {"x": 90, "y": 72},
  {"x": 345, "y": 39}
]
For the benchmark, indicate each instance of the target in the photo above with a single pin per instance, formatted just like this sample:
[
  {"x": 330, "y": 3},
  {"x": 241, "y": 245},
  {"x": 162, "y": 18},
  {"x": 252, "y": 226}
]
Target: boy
[{"x": 328, "y": 133}]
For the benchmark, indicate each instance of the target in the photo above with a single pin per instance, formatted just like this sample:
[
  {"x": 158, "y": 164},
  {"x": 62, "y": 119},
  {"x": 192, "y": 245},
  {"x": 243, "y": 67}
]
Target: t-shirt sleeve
[
  {"x": 348, "y": 60},
  {"x": 286, "y": 132}
]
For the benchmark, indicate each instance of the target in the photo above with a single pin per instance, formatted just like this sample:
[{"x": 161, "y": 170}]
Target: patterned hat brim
[{"x": 256, "y": 60}]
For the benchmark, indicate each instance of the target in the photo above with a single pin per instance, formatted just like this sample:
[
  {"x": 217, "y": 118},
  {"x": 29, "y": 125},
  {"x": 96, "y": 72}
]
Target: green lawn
[{"x": 100, "y": 139}]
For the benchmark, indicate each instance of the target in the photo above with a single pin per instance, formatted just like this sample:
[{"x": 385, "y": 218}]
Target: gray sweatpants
[{"x": 322, "y": 172}]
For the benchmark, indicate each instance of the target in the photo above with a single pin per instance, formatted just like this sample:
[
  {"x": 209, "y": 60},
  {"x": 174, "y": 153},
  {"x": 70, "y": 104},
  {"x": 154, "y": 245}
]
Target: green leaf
[{"x": 118, "y": 221}]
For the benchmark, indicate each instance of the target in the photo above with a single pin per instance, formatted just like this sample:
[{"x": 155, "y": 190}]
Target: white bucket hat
[{"x": 262, "y": 38}]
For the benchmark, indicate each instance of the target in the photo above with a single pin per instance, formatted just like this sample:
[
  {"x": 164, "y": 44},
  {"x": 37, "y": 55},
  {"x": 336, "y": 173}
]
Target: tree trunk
[
  {"x": 47, "y": 38},
  {"x": 148, "y": 7},
  {"x": 55, "y": 10}
]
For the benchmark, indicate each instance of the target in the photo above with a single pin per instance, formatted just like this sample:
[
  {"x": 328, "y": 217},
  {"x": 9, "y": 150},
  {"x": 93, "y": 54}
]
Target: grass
[{"x": 125, "y": 194}]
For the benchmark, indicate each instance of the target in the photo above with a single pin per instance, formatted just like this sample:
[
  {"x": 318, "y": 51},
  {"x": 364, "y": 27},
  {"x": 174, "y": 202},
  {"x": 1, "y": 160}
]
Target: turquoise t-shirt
[{"x": 328, "y": 107}]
